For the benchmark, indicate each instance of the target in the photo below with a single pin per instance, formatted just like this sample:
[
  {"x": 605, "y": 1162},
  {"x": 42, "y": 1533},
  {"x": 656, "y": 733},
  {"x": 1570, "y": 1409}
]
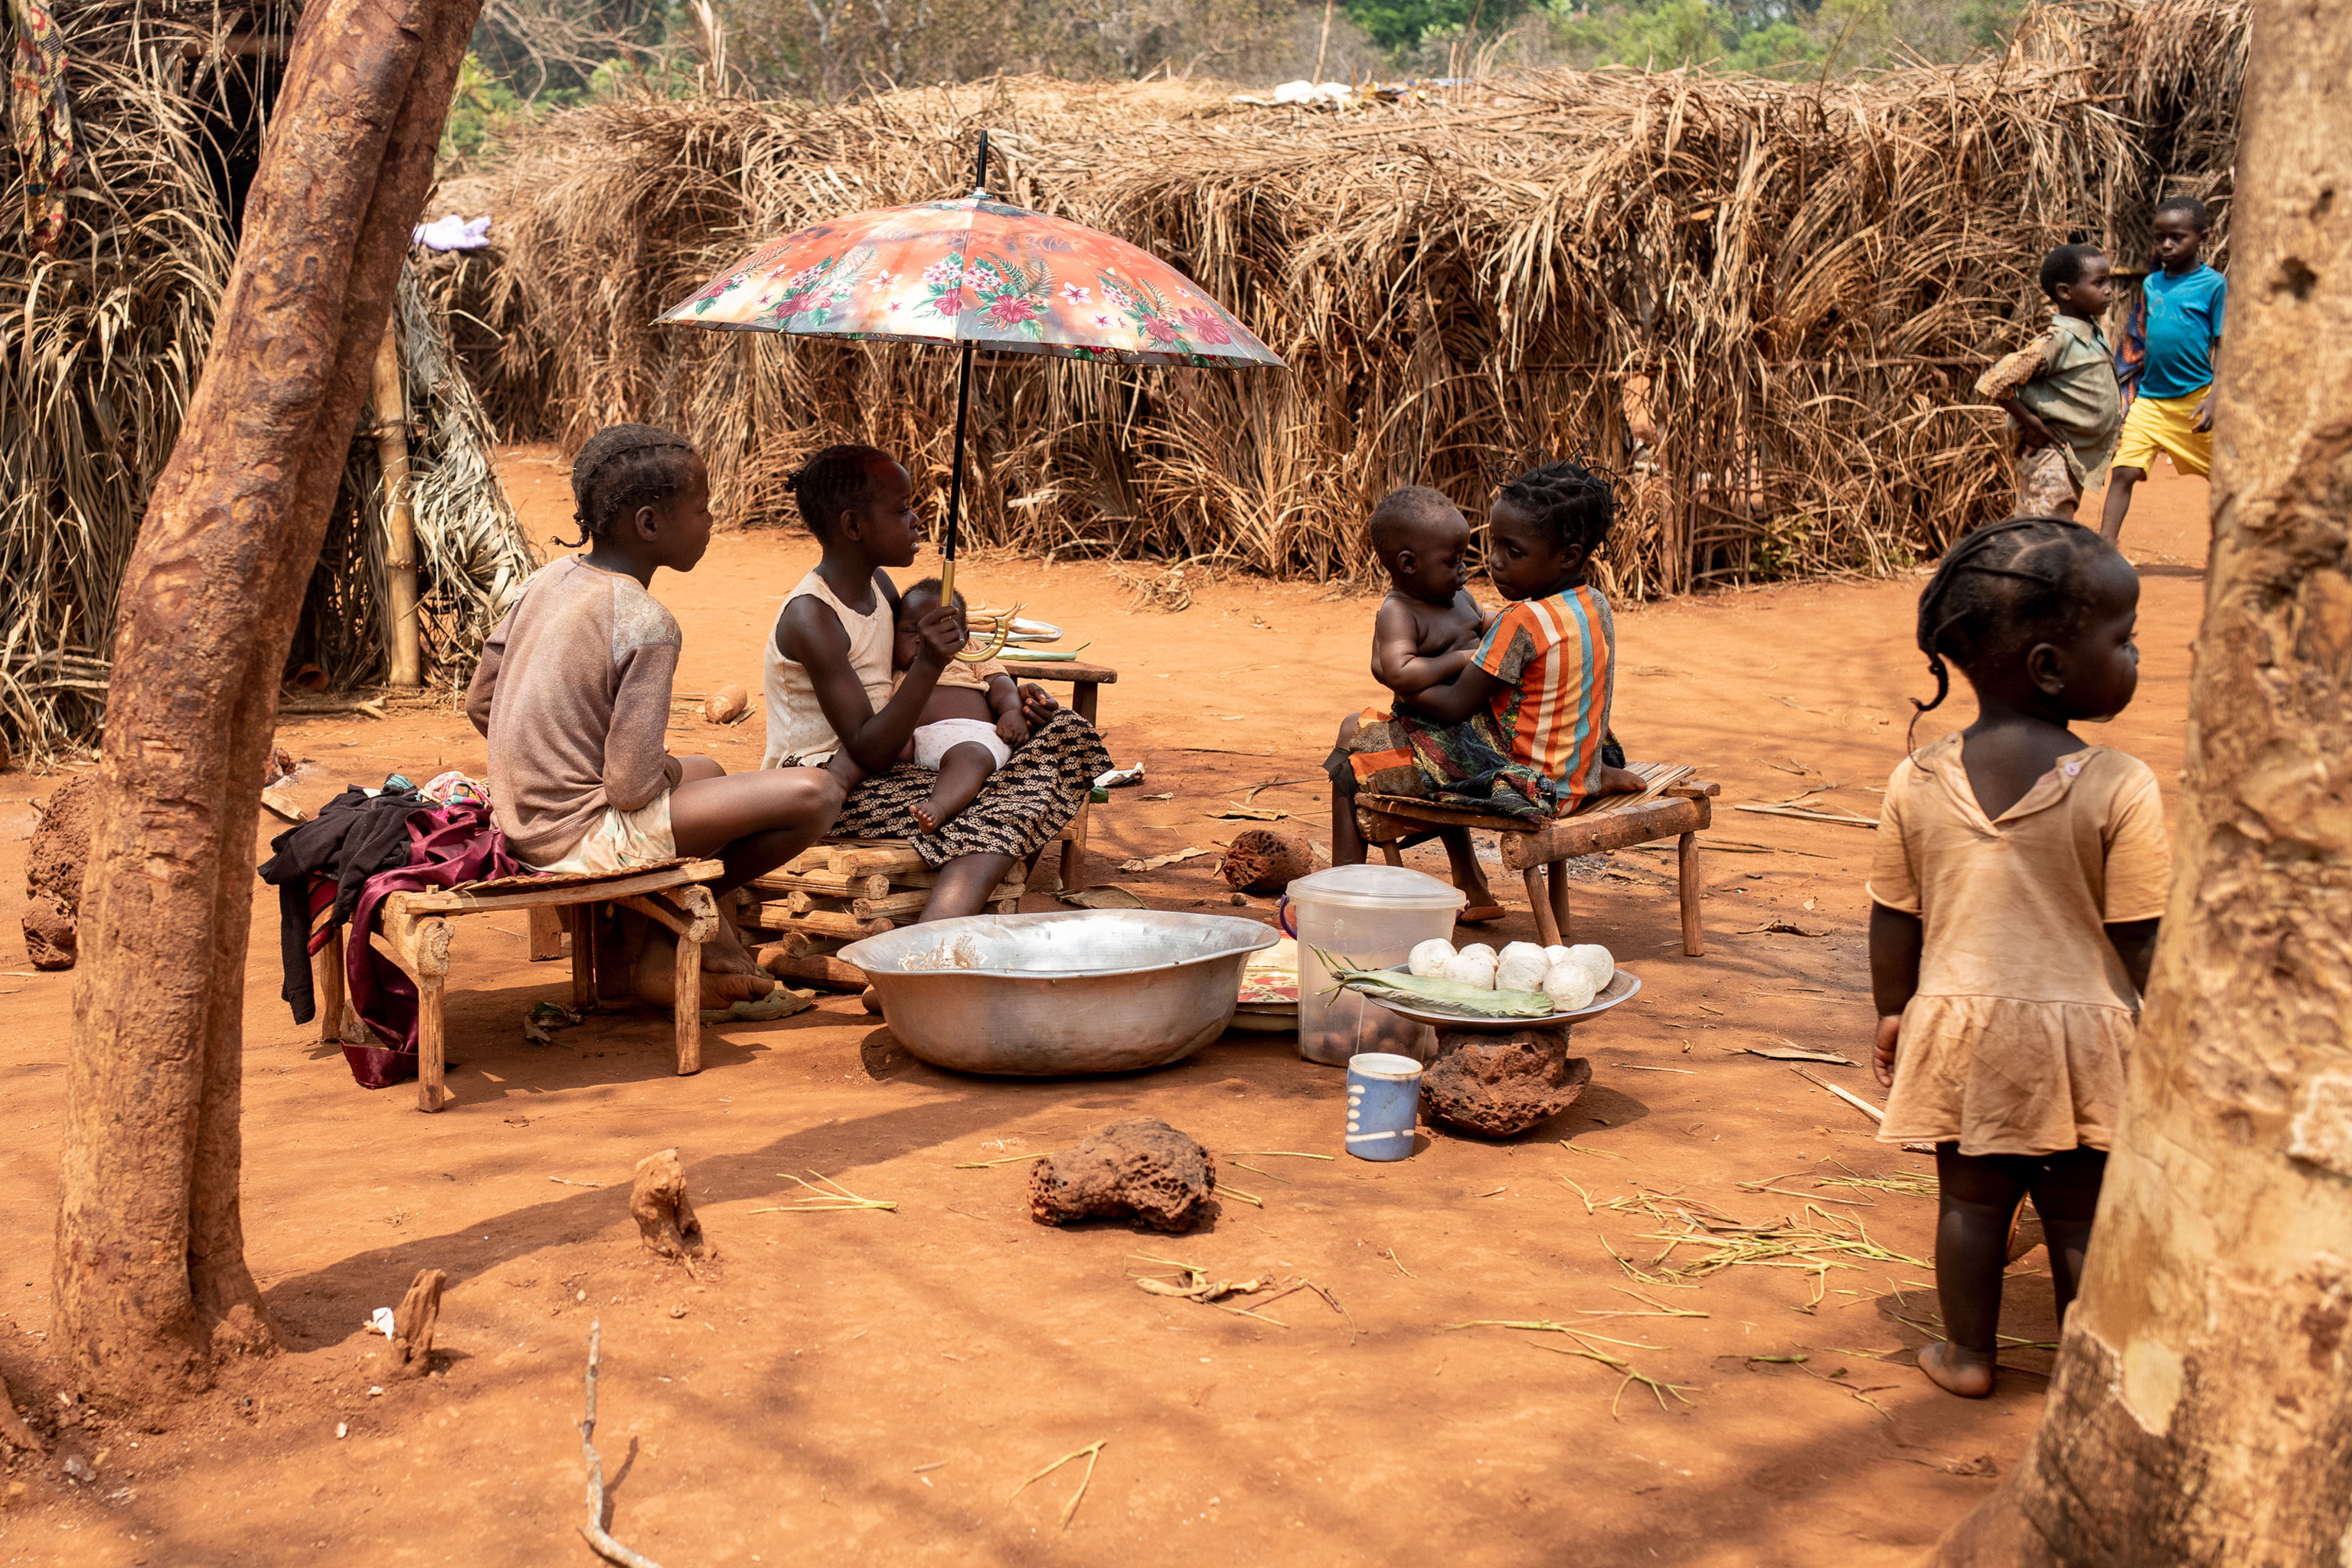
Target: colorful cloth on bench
[
  {"x": 320, "y": 869},
  {"x": 1463, "y": 764},
  {"x": 447, "y": 846}
]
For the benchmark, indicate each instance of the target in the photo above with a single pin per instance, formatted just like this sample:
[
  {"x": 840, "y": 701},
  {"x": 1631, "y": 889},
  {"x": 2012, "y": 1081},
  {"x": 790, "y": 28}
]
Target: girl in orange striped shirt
[{"x": 1522, "y": 728}]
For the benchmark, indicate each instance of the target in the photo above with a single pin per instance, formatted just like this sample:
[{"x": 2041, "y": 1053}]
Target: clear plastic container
[{"x": 1372, "y": 916}]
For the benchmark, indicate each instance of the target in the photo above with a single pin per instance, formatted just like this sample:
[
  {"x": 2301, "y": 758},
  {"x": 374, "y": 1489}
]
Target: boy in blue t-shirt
[{"x": 2165, "y": 360}]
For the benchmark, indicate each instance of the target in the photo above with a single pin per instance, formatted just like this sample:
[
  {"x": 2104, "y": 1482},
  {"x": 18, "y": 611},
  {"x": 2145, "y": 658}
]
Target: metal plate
[{"x": 1622, "y": 987}]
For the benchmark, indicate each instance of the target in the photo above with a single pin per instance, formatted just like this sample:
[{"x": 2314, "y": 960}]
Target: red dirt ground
[{"x": 872, "y": 1387}]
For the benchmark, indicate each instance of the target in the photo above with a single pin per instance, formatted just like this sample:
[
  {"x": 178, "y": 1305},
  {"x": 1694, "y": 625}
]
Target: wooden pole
[
  {"x": 1323, "y": 43},
  {"x": 401, "y": 642}
]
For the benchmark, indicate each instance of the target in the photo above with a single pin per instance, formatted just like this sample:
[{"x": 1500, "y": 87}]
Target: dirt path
[{"x": 871, "y": 1387}]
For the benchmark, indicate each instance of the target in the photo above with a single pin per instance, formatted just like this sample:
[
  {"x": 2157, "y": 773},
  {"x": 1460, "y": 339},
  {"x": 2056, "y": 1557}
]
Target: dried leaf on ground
[
  {"x": 1110, "y": 896},
  {"x": 1157, "y": 861}
]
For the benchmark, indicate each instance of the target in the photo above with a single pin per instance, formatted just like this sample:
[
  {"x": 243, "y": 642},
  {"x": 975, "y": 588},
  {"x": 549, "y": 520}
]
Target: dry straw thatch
[
  {"x": 102, "y": 339},
  {"x": 101, "y": 342},
  {"x": 1769, "y": 300},
  {"x": 472, "y": 556}
]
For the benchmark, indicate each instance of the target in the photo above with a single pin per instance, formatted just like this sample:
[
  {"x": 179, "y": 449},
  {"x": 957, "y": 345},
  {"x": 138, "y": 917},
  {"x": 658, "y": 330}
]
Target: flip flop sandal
[{"x": 1480, "y": 914}]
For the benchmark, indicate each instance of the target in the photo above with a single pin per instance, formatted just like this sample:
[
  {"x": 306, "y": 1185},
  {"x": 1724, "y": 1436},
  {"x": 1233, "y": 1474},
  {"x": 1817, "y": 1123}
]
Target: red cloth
[{"x": 447, "y": 846}]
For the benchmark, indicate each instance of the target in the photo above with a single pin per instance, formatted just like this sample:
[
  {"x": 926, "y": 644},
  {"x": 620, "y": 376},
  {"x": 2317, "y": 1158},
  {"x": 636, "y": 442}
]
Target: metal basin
[{"x": 1086, "y": 991}]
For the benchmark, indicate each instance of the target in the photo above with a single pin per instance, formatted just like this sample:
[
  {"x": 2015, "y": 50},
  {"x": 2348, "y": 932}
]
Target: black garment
[{"x": 354, "y": 836}]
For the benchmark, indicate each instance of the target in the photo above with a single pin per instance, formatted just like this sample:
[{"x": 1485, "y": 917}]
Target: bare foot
[
  {"x": 725, "y": 953},
  {"x": 1967, "y": 1374},
  {"x": 930, "y": 815},
  {"x": 655, "y": 979}
]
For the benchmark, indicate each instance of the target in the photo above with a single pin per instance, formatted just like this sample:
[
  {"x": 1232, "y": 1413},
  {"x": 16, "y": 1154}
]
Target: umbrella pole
[{"x": 955, "y": 482}]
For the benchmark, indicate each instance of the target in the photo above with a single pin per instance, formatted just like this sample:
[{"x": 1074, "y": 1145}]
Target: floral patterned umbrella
[
  {"x": 975, "y": 273},
  {"x": 978, "y": 272}
]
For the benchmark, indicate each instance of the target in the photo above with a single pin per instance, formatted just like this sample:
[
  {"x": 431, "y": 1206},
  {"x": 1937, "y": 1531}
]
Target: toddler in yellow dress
[{"x": 2015, "y": 891}]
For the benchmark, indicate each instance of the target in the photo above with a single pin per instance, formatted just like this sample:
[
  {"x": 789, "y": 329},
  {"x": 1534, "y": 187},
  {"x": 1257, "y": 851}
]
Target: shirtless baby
[
  {"x": 970, "y": 726},
  {"x": 1427, "y": 632}
]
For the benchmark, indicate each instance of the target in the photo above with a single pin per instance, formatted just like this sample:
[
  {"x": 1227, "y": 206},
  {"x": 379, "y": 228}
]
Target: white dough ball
[
  {"x": 1472, "y": 969},
  {"x": 1568, "y": 986},
  {"x": 1554, "y": 953},
  {"x": 1429, "y": 957},
  {"x": 1520, "y": 967},
  {"x": 1599, "y": 966},
  {"x": 1477, "y": 949}
]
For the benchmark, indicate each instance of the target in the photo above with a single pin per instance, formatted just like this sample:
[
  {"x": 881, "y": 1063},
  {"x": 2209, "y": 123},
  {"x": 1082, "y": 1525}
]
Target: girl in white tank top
[{"x": 796, "y": 724}]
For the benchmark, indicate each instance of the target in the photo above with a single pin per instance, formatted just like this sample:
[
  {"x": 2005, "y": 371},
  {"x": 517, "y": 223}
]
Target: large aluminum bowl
[{"x": 1086, "y": 991}]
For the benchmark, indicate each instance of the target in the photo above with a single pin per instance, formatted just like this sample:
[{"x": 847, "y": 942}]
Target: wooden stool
[
  {"x": 1675, "y": 806},
  {"x": 414, "y": 932}
]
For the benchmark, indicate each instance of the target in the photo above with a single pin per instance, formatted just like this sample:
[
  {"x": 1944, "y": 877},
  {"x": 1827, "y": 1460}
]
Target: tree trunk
[
  {"x": 150, "y": 1267},
  {"x": 2199, "y": 1412}
]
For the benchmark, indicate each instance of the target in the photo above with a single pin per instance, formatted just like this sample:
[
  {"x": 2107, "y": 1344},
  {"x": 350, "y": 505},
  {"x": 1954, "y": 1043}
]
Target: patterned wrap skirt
[
  {"x": 1023, "y": 804},
  {"x": 1464, "y": 764}
]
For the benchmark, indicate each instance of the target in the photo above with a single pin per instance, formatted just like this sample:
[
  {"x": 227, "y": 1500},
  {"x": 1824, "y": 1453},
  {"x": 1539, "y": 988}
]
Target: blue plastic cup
[{"x": 1383, "y": 1105}]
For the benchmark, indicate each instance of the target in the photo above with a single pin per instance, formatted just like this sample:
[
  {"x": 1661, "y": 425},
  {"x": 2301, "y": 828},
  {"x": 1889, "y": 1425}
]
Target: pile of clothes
[{"x": 338, "y": 868}]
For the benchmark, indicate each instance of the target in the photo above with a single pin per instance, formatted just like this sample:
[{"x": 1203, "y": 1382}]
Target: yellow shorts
[{"x": 2167, "y": 424}]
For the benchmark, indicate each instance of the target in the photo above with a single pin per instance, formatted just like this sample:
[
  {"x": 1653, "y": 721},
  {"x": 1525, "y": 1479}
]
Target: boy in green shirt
[{"x": 2060, "y": 391}]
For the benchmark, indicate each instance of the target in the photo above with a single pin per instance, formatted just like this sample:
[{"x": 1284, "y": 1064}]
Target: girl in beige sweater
[{"x": 573, "y": 695}]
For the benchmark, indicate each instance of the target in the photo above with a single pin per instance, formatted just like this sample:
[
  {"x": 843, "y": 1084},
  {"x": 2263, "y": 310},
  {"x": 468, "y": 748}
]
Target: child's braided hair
[
  {"x": 836, "y": 480},
  {"x": 1573, "y": 501},
  {"x": 2001, "y": 589},
  {"x": 623, "y": 467}
]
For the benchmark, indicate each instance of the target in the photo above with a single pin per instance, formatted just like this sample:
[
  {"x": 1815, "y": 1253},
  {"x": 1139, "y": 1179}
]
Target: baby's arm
[
  {"x": 1005, "y": 698},
  {"x": 1395, "y": 663},
  {"x": 1897, "y": 941}
]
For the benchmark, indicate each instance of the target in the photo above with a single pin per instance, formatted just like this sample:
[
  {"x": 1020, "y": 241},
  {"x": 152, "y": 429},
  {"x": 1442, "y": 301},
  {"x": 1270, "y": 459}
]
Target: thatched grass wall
[
  {"x": 102, "y": 339},
  {"x": 1769, "y": 300},
  {"x": 101, "y": 342}
]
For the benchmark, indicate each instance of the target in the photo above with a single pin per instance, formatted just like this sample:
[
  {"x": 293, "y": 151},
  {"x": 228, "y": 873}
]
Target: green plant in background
[
  {"x": 483, "y": 108},
  {"x": 1779, "y": 38},
  {"x": 1400, "y": 25}
]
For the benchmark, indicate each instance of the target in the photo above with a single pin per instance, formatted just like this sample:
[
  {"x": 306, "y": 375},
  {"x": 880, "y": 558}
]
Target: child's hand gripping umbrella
[{"x": 980, "y": 274}]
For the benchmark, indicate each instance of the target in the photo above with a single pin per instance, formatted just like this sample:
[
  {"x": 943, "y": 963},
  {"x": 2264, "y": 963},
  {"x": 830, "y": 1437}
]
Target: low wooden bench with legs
[
  {"x": 414, "y": 930},
  {"x": 1675, "y": 806}
]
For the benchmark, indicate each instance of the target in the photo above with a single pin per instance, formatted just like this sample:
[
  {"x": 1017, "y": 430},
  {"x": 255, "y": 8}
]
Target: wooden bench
[
  {"x": 1675, "y": 806},
  {"x": 414, "y": 932}
]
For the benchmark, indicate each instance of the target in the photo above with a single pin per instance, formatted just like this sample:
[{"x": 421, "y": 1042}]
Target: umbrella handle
[
  {"x": 955, "y": 477},
  {"x": 963, "y": 408}
]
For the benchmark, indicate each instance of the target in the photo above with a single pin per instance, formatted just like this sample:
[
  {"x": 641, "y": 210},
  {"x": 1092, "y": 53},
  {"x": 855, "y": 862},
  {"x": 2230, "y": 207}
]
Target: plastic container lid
[{"x": 1370, "y": 886}]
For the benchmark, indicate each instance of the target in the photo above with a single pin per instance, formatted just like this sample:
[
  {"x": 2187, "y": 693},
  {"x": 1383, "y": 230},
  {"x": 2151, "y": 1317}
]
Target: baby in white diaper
[{"x": 970, "y": 724}]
